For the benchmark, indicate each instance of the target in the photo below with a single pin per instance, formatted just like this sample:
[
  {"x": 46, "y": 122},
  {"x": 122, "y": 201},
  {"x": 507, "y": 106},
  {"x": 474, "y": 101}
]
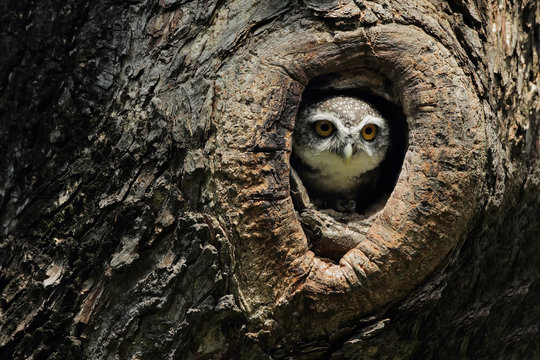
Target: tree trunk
[{"x": 148, "y": 209}]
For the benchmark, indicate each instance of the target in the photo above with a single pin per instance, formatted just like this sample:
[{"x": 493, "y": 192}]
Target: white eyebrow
[
  {"x": 325, "y": 116},
  {"x": 370, "y": 119}
]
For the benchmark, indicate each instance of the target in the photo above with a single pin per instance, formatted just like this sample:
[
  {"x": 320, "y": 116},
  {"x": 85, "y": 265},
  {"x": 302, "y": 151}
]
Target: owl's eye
[
  {"x": 369, "y": 132},
  {"x": 324, "y": 128}
]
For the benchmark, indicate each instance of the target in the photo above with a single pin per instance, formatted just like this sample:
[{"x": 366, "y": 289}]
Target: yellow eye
[
  {"x": 369, "y": 132},
  {"x": 324, "y": 128}
]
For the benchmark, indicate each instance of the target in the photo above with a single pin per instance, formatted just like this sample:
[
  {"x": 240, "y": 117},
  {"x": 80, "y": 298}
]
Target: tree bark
[{"x": 148, "y": 209}]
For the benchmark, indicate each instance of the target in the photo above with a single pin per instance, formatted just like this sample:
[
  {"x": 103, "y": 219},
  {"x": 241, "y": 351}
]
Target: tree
[{"x": 146, "y": 203}]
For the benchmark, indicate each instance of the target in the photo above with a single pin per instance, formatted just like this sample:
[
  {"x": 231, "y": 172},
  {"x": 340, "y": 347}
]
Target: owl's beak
[{"x": 347, "y": 153}]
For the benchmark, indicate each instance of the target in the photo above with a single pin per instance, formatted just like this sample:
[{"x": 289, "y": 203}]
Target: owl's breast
[{"x": 327, "y": 172}]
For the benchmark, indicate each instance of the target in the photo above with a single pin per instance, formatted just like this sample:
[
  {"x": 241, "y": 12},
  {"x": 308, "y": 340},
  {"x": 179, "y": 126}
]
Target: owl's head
[{"x": 341, "y": 127}]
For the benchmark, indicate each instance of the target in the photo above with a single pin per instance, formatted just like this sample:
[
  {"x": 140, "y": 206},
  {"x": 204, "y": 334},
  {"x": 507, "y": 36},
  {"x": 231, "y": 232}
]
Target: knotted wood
[{"x": 145, "y": 192}]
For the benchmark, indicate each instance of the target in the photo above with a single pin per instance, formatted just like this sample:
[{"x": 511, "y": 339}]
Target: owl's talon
[
  {"x": 345, "y": 205},
  {"x": 319, "y": 203},
  {"x": 351, "y": 206}
]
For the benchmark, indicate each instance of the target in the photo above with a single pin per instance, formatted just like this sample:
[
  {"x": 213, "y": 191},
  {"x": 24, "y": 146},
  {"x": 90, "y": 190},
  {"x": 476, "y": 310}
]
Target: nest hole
[{"x": 332, "y": 232}]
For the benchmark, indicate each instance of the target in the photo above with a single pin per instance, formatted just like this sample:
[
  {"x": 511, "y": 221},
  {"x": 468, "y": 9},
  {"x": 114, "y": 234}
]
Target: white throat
[{"x": 332, "y": 173}]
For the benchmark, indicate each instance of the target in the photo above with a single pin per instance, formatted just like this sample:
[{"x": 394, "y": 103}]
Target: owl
[{"x": 339, "y": 143}]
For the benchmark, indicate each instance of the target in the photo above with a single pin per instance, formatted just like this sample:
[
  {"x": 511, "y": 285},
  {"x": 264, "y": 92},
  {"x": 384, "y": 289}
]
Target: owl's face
[{"x": 341, "y": 132}]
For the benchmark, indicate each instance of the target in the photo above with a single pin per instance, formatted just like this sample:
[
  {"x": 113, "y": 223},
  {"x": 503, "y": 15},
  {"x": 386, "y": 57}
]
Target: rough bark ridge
[{"x": 145, "y": 204}]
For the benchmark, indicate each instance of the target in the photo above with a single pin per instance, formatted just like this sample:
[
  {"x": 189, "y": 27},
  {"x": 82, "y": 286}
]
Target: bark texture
[{"x": 148, "y": 209}]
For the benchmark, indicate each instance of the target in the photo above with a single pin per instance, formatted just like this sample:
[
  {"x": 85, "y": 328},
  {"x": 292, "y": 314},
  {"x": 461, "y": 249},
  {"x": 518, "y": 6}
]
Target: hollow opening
[{"x": 335, "y": 220}]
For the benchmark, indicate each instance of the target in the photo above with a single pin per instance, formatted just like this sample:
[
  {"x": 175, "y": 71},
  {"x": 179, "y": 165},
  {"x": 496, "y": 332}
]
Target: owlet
[{"x": 338, "y": 144}]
